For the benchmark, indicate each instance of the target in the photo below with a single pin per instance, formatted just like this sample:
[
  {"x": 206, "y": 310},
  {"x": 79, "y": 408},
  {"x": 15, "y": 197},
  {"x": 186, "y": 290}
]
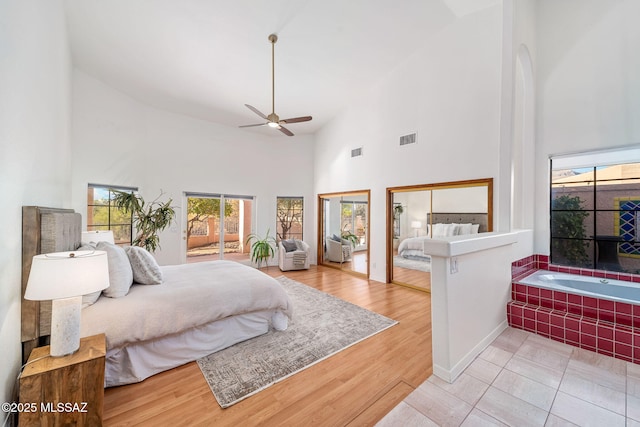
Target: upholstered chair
[
  {"x": 293, "y": 254},
  {"x": 338, "y": 251}
]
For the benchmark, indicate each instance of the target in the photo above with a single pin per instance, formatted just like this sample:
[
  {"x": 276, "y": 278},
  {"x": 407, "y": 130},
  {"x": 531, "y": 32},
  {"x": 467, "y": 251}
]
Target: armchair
[
  {"x": 293, "y": 255},
  {"x": 338, "y": 251}
]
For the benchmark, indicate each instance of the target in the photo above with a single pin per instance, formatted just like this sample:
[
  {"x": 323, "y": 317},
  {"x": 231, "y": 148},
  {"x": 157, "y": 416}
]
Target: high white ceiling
[{"x": 207, "y": 58}]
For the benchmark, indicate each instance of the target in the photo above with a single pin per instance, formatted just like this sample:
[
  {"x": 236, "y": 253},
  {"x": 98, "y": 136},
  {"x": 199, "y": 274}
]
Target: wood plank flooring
[{"x": 357, "y": 386}]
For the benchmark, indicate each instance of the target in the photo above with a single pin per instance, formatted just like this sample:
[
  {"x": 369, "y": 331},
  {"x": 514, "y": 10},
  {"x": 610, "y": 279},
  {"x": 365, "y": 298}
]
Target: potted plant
[
  {"x": 262, "y": 248},
  {"x": 149, "y": 219},
  {"x": 350, "y": 237},
  {"x": 397, "y": 211}
]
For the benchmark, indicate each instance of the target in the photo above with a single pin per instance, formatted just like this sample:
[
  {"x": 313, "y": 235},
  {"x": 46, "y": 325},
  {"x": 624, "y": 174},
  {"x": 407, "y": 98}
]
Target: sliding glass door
[{"x": 217, "y": 227}]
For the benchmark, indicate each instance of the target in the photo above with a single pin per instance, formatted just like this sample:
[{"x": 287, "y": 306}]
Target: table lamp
[
  {"x": 97, "y": 236},
  {"x": 64, "y": 277},
  {"x": 416, "y": 225}
]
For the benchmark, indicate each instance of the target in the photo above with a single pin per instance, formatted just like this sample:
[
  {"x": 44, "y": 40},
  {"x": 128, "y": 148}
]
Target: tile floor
[{"x": 523, "y": 379}]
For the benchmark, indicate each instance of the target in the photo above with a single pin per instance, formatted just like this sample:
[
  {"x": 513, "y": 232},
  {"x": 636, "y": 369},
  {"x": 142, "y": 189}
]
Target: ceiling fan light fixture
[{"x": 273, "y": 120}]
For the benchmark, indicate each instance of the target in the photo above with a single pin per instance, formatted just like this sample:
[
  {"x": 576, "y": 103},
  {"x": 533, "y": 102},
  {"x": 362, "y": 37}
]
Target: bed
[
  {"x": 442, "y": 225},
  {"x": 197, "y": 309}
]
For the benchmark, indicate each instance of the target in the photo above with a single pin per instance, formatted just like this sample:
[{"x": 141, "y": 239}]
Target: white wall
[
  {"x": 588, "y": 91},
  {"x": 34, "y": 145},
  {"x": 120, "y": 141},
  {"x": 448, "y": 93}
]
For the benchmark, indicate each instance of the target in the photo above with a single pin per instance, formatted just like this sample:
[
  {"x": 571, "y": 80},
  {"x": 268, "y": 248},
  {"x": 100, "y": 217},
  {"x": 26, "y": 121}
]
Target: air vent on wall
[
  {"x": 356, "y": 152},
  {"x": 408, "y": 139}
]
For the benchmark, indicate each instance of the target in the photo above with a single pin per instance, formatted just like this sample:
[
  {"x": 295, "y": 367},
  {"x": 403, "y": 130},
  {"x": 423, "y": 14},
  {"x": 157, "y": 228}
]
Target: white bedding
[
  {"x": 413, "y": 247},
  {"x": 412, "y": 244},
  {"x": 192, "y": 295}
]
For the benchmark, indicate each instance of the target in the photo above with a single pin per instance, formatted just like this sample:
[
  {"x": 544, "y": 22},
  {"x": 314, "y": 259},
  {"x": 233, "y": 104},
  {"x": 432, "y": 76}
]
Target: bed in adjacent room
[
  {"x": 184, "y": 312},
  {"x": 439, "y": 225}
]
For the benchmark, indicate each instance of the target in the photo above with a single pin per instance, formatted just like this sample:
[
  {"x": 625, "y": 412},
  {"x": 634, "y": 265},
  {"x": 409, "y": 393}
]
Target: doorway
[
  {"x": 217, "y": 226},
  {"x": 343, "y": 231}
]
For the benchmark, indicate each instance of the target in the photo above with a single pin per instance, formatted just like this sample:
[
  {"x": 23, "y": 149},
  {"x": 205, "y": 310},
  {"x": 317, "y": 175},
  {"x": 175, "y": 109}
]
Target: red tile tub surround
[
  {"x": 606, "y": 327},
  {"x": 525, "y": 266},
  {"x": 600, "y": 336}
]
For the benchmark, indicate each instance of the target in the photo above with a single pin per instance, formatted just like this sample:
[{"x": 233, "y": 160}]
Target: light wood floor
[{"x": 357, "y": 386}]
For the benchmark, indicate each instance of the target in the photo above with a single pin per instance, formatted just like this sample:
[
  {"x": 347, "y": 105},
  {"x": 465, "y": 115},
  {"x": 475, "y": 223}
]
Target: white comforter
[
  {"x": 191, "y": 295},
  {"x": 412, "y": 243}
]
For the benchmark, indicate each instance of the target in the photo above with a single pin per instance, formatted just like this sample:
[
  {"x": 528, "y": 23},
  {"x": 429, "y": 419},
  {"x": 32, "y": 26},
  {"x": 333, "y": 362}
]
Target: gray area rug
[
  {"x": 411, "y": 264},
  {"x": 322, "y": 325}
]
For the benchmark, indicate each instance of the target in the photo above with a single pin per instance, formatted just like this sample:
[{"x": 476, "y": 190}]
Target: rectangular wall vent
[
  {"x": 408, "y": 139},
  {"x": 356, "y": 152}
]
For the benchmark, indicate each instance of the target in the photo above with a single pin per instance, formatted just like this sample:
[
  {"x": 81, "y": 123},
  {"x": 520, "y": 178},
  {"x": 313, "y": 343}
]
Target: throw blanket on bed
[
  {"x": 191, "y": 295},
  {"x": 412, "y": 243}
]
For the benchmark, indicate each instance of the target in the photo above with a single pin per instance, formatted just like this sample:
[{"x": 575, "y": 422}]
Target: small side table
[{"x": 65, "y": 390}]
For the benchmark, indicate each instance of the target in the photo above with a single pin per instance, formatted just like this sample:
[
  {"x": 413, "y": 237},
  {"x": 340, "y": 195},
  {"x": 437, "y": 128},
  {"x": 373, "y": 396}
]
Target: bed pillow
[
  {"x": 289, "y": 245},
  {"x": 438, "y": 230},
  {"x": 146, "y": 270},
  {"x": 475, "y": 228},
  {"x": 450, "y": 229},
  {"x": 120, "y": 273},
  {"x": 89, "y": 299},
  {"x": 464, "y": 229}
]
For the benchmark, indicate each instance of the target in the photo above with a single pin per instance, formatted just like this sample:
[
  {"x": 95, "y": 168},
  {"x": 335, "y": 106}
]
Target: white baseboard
[{"x": 450, "y": 375}]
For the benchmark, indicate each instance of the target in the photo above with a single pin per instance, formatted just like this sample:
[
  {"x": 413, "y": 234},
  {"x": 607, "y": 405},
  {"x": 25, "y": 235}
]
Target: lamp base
[{"x": 65, "y": 326}]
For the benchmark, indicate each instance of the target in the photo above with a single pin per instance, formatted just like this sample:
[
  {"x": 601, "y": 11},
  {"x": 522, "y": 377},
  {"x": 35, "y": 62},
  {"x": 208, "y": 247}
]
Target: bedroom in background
[{"x": 419, "y": 212}]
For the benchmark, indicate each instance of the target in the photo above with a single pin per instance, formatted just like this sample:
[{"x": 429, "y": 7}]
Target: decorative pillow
[
  {"x": 120, "y": 273},
  {"x": 289, "y": 245},
  {"x": 464, "y": 229},
  {"x": 439, "y": 230},
  {"x": 89, "y": 299},
  {"x": 450, "y": 229},
  {"x": 146, "y": 270}
]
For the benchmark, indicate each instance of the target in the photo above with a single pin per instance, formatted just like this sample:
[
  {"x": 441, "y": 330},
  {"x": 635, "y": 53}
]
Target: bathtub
[
  {"x": 609, "y": 289},
  {"x": 593, "y": 313}
]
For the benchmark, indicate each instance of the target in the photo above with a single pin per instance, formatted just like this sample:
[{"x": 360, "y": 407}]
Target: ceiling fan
[{"x": 272, "y": 120}]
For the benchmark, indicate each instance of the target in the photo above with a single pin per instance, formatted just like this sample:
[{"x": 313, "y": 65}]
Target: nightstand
[{"x": 69, "y": 390}]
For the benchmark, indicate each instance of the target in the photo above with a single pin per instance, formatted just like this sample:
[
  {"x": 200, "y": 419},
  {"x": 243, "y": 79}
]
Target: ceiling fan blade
[
  {"x": 250, "y": 126},
  {"x": 255, "y": 110},
  {"x": 285, "y": 131},
  {"x": 296, "y": 120}
]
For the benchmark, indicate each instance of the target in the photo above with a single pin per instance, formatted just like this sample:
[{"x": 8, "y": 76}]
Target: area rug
[
  {"x": 411, "y": 264},
  {"x": 322, "y": 325}
]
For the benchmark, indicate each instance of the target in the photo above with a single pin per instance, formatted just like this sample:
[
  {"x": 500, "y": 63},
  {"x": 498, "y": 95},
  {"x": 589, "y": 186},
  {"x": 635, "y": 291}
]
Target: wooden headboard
[
  {"x": 481, "y": 218},
  {"x": 44, "y": 230}
]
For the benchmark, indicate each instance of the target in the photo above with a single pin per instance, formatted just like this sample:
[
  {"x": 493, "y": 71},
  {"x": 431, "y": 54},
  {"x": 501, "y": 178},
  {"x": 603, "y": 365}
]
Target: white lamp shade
[
  {"x": 416, "y": 224},
  {"x": 67, "y": 274},
  {"x": 97, "y": 236}
]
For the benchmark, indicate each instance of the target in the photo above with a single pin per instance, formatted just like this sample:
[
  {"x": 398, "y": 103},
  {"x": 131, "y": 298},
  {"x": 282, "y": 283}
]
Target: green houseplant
[
  {"x": 568, "y": 231},
  {"x": 149, "y": 219},
  {"x": 262, "y": 248},
  {"x": 350, "y": 237}
]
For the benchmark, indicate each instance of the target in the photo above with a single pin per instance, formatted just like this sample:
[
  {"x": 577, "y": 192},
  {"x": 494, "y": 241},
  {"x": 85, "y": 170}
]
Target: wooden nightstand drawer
[{"x": 65, "y": 390}]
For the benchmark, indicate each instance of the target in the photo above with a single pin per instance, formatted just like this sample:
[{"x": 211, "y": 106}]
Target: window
[
  {"x": 289, "y": 215},
  {"x": 595, "y": 211},
  {"x": 102, "y": 215}
]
